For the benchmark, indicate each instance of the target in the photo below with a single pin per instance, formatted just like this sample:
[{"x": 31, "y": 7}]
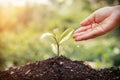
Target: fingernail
[
  {"x": 74, "y": 35},
  {"x": 76, "y": 31},
  {"x": 80, "y": 39},
  {"x": 81, "y": 24}
]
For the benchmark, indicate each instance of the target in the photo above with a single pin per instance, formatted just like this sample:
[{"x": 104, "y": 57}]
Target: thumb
[{"x": 89, "y": 20}]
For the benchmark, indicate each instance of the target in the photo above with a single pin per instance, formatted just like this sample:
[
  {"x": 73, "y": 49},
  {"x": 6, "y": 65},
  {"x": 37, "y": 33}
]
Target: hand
[{"x": 98, "y": 23}]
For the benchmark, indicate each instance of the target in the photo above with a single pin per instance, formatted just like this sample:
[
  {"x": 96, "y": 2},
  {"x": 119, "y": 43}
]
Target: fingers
[
  {"x": 93, "y": 32},
  {"x": 83, "y": 29},
  {"x": 81, "y": 33},
  {"x": 88, "y": 35},
  {"x": 89, "y": 20}
]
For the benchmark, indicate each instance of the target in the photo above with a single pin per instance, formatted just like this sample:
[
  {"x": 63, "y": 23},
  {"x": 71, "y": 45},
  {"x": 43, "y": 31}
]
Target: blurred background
[{"x": 22, "y": 22}]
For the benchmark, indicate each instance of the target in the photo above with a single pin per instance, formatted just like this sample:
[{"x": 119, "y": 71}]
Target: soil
[{"x": 59, "y": 68}]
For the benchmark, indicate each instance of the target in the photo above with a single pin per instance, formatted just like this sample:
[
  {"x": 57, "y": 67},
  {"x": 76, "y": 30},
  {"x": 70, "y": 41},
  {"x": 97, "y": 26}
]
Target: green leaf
[
  {"x": 66, "y": 35},
  {"x": 46, "y": 35},
  {"x": 54, "y": 48}
]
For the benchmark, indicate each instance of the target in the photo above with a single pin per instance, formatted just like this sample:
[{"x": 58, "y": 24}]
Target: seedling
[{"x": 58, "y": 41}]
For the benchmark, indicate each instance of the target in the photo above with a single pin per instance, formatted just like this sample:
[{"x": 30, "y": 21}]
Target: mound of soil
[{"x": 59, "y": 68}]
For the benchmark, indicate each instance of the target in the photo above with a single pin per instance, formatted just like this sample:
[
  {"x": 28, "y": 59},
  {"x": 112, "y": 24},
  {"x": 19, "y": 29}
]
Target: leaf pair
[
  {"x": 57, "y": 42},
  {"x": 66, "y": 35}
]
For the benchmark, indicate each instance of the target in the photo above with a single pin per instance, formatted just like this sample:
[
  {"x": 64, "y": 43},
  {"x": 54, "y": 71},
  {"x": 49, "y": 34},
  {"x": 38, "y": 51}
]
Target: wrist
[{"x": 117, "y": 12}]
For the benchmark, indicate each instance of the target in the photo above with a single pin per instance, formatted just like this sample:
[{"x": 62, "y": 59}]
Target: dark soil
[{"x": 59, "y": 68}]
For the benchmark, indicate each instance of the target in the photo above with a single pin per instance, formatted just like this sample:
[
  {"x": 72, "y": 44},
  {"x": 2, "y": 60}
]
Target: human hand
[{"x": 98, "y": 23}]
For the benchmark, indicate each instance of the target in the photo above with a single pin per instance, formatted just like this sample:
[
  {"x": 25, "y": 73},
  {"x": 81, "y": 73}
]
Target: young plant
[{"x": 58, "y": 41}]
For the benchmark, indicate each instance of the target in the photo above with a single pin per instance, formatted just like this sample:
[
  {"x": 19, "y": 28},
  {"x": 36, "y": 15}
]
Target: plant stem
[
  {"x": 58, "y": 51},
  {"x": 58, "y": 46}
]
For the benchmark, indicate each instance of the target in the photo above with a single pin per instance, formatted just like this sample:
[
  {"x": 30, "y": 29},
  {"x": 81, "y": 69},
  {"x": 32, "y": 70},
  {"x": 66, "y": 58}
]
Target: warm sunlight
[{"x": 23, "y": 2}]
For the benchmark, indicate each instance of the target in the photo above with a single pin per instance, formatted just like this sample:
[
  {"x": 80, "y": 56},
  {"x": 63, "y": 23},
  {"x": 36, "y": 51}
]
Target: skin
[{"x": 98, "y": 23}]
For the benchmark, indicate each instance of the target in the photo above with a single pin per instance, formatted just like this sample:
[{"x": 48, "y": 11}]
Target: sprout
[{"x": 58, "y": 41}]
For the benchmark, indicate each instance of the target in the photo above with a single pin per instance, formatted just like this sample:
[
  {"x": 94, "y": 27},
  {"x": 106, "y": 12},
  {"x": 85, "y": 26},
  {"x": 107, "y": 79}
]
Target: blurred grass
[{"x": 21, "y": 28}]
